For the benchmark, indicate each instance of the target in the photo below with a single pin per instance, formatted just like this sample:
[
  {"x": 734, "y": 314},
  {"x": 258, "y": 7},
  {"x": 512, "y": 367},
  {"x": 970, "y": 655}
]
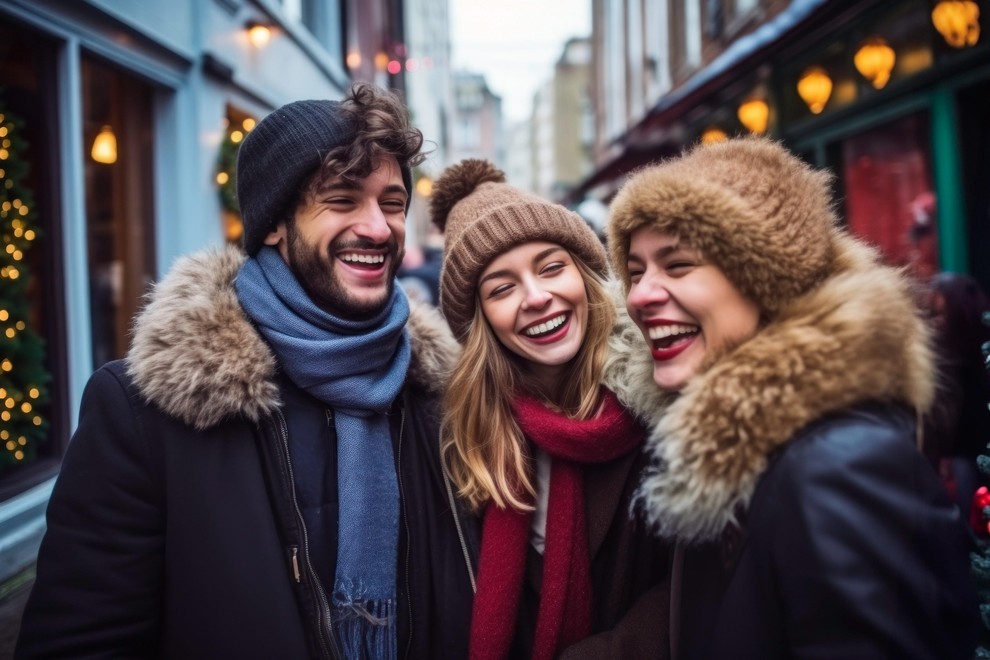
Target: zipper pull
[
  {"x": 329, "y": 413},
  {"x": 294, "y": 557}
]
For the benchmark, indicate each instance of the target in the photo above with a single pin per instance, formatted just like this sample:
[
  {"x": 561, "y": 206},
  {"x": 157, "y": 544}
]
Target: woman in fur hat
[
  {"x": 534, "y": 443},
  {"x": 807, "y": 522}
]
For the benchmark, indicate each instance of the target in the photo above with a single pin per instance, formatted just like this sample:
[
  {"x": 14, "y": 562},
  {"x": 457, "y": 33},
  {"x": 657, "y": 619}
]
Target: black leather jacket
[{"x": 849, "y": 549}]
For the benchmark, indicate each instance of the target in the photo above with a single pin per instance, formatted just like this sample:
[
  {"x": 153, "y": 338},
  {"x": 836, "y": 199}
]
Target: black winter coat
[
  {"x": 844, "y": 506},
  {"x": 173, "y": 528}
]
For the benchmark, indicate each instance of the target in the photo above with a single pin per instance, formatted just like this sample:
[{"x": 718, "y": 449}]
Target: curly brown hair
[{"x": 381, "y": 127}]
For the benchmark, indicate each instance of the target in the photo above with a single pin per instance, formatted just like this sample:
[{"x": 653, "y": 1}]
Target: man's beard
[{"x": 315, "y": 273}]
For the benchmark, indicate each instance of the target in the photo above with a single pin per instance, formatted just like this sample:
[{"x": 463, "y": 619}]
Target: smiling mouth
[
  {"x": 665, "y": 336},
  {"x": 545, "y": 328},
  {"x": 366, "y": 261}
]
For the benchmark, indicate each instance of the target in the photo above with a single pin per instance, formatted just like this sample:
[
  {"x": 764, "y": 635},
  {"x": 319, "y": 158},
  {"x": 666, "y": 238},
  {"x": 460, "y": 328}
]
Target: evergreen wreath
[{"x": 227, "y": 165}]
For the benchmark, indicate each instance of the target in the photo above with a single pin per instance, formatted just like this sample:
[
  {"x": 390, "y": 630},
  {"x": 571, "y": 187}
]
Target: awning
[{"x": 744, "y": 52}]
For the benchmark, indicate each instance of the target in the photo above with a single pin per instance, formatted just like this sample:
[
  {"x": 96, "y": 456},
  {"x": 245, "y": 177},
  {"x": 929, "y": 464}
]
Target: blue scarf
[{"x": 357, "y": 368}]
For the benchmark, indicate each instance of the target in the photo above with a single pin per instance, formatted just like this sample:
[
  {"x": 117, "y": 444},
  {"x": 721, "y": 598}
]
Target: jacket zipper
[
  {"x": 327, "y": 642},
  {"x": 405, "y": 522},
  {"x": 457, "y": 520}
]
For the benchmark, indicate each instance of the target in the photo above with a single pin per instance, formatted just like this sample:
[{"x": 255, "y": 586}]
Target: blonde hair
[{"x": 484, "y": 450}]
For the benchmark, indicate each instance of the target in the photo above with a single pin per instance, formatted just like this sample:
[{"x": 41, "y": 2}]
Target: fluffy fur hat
[
  {"x": 748, "y": 205},
  {"x": 482, "y": 217}
]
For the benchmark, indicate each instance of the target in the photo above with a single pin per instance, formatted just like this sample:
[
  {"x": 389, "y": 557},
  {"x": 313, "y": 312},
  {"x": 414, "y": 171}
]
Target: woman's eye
[
  {"x": 635, "y": 275},
  {"x": 552, "y": 268},
  {"x": 499, "y": 290},
  {"x": 680, "y": 266}
]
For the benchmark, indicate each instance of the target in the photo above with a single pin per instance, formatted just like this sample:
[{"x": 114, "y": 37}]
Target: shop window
[
  {"x": 118, "y": 140},
  {"x": 973, "y": 105},
  {"x": 32, "y": 351},
  {"x": 889, "y": 196},
  {"x": 236, "y": 124}
]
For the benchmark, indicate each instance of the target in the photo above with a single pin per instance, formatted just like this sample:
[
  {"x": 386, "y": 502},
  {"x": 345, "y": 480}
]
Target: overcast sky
[{"x": 515, "y": 43}]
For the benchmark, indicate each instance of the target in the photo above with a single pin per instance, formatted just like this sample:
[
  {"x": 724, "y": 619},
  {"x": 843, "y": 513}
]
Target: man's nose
[{"x": 374, "y": 226}]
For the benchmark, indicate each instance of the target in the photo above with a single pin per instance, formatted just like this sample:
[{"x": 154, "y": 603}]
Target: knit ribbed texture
[
  {"x": 486, "y": 219},
  {"x": 748, "y": 205},
  {"x": 277, "y": 157}
]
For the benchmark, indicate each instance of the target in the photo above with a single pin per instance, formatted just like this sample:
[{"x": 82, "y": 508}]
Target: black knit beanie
[{"x": 284, "y": 149}]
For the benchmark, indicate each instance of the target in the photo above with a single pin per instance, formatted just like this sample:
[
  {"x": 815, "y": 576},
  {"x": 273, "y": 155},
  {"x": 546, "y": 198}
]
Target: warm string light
[{"x": 20, "y": 401}]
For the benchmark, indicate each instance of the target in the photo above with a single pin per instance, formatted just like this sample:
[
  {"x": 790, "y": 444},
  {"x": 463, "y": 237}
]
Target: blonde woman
[{"x": 534, "y": 443}]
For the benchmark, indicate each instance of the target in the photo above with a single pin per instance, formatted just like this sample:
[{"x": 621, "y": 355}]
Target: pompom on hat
[
  {"x": 752, "y": 208},
  {"x": 481, "y": 217},
  {"x": 277, "y": 157}
]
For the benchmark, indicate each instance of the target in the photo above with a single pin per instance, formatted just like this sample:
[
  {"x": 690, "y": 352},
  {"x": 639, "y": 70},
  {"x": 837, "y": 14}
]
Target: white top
[{"x": 538, "y": 528}]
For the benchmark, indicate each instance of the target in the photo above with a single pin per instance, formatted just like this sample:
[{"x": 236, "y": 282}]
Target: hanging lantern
[
  {"x": 875, "y": 60},
  {"x": 815, "y": 88},
  {"x": 105, "y": 147},
  {"x": 712, "y": 135},
  {"x": 958, "y": 21},
  {"x": 754, "y": 115}
]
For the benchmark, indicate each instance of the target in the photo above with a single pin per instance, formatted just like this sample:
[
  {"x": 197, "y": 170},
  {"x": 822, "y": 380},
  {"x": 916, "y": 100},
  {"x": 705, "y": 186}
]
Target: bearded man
[{"x": 261, "y": 476}]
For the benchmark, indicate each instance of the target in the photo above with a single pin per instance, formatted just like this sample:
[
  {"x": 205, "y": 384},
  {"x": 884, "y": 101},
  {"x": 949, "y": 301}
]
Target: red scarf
[{"x": 565, "y": 600}]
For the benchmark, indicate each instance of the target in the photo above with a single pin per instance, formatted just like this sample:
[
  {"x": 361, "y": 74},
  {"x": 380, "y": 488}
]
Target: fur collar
[
  {"x": 857, "y": 337},
  {"x": 196, "y": 355}
]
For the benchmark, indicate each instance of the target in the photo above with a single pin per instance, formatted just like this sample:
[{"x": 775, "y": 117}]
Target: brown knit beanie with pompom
[
  {"x": 481, "y": 217},
  {"x": 748, "y": 205}
]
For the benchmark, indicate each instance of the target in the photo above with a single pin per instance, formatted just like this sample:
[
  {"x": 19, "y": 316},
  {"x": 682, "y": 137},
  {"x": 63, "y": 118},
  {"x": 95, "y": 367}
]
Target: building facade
[
  {"x": 890, "y": 95},
  {"x": 429, "y": 93},
  {"x": 477, "y": 129},
  {"x": 563, "y": 122}
]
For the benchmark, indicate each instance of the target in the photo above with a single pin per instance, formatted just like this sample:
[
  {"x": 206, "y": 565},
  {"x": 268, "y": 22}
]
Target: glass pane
[
  {"x": 31, "y": 394},
  {"x": 117, "y": 125}
]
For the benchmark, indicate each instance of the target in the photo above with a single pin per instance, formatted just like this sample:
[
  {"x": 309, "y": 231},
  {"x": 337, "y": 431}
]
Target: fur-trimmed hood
[
  {"x": 196, "y": 355},
  {"x": 857, "y": 337}
]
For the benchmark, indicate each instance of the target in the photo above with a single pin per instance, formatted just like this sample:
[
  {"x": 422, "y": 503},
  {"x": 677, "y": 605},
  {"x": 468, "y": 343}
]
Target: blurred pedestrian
[
  {"x": 808, "y": 523},
  {"x": 958, "y": 428},
  {"x": 420, "y": 273},
  {"x": 534, "y": 442},
  {"x": 260, "y": 478}
]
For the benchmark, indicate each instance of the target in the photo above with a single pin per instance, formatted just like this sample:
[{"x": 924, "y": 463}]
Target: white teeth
[
  {"x": 664, "y": 331},
  {"x": 544, "y": 328},
  {"x": 363, "y": 259}
]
